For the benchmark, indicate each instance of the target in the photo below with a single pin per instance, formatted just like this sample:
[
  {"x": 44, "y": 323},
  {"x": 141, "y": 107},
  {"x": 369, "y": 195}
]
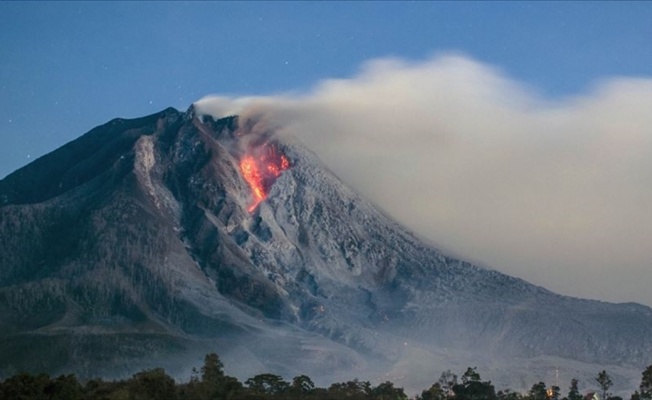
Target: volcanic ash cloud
[{"x": 555, "y": 191}]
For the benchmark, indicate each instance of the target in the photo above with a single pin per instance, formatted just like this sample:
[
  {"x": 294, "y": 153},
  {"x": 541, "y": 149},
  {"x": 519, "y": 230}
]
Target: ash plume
[{"x": 556, "y": 191}]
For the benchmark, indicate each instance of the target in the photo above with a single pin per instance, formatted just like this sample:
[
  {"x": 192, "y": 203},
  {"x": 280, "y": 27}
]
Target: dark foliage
[
  {"x": 210, "y": 383},
  {"x": 646, "y": 384},
  {"x": 473, "y": 388},
  {"x": 604, "y": 380}
]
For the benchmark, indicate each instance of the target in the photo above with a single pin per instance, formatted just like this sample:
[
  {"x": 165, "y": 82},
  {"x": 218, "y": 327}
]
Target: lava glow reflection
[{"x": 260, "y": 170}]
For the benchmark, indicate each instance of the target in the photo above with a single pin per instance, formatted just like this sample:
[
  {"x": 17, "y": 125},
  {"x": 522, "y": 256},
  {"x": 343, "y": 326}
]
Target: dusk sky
[{"x": 67, "y": 67}]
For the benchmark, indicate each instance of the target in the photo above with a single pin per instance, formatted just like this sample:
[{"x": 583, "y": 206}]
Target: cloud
[{"x": 556, "y": 191}]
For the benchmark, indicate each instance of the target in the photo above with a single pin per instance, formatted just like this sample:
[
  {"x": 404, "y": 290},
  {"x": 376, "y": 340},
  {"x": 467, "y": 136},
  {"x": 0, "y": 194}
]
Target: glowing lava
[{"x": 260, "y": 171}]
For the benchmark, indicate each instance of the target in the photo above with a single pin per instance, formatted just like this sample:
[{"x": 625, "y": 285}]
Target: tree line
[{"x": 211, "y": 383}]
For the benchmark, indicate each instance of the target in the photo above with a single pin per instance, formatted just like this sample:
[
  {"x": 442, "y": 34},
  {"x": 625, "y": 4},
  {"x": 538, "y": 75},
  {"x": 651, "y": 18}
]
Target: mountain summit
[{"x": 152, "y": 241}]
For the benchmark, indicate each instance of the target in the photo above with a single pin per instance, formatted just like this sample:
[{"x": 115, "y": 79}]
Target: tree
[
  {"x": 472, "y": 388},
  {"x": 470, "y": 375},
  {"x": 65, "y": 387},
  {"x": 229, "y": 388},
  {"x": 213, "y": 369},
  {"x": 443, "y": 388},
  {"x": 214, "y": 384},
  {"x": 447, "y": 380},
  {"x": 646, "y": 384},
  {"x": 302, "y": 385},
  {"x": 507, "y": 394},
  {"x": 553, "y": 392},
  {"x": 152, "y": 384},
  {"x": 574, "y": 392},
  {"x": 538, "y": 391},
  {"x": 387, "y": 391},
  {"x": 96, "y": 389},
  {"x": 267, "y": 384},
  {"x": 604, "y": 381},
  {"x": 475, "y": 390},
  {"x": 436, "y": 392},
  {"x": 351, "y": 390},
  {"x": 25, "y": 386}
]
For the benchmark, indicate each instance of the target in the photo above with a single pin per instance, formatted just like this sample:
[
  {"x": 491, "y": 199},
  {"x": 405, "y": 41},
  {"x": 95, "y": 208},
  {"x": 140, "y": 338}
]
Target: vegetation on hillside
[{"x": 211, "y": 383}]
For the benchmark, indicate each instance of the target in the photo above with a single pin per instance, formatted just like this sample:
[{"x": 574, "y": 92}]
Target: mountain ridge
[{"x": 314, "y": 263}]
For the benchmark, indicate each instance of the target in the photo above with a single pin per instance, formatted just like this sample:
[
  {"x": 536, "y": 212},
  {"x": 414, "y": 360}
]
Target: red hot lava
[{"x": 260, "y": 169}]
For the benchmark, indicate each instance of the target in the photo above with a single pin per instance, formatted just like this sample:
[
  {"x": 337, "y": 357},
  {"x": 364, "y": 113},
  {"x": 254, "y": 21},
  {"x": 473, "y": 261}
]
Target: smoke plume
[{"x": 556, "y": 191}]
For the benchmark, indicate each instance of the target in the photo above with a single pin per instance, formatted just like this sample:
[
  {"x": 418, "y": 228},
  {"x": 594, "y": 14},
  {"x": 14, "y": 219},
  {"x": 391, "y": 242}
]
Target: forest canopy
[{"x": 211, "y": 383}]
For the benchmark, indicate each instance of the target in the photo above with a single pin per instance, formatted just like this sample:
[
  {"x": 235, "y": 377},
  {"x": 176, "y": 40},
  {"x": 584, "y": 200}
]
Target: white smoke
[{"x": 558, "y": 192}]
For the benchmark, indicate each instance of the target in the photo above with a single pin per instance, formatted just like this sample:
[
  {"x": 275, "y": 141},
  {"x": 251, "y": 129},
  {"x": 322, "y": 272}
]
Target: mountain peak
[
  {"x": 81, "y": 160},
  {"x": 149, "y": 233}
]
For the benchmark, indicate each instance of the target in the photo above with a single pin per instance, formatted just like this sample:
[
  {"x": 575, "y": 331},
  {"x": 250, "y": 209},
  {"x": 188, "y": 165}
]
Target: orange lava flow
[
  {"x": 251, "y": 174},
  {"x": 261, "y": 171}
]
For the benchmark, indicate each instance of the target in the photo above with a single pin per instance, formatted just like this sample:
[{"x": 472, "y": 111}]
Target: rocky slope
[{"x": 134, "y": 246}]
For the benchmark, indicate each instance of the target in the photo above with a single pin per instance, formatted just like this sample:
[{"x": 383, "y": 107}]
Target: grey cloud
[{"x": 558, "y": 192}]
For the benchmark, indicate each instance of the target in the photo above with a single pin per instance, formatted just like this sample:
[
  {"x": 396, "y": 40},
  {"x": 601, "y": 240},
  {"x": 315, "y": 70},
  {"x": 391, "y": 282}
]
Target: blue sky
[
  {"x": 66, "y": 67},
  {"x": 552, "y": 191}
]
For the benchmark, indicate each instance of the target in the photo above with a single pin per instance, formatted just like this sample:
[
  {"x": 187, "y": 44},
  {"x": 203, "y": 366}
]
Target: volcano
[{"x": 150, "y": 242}]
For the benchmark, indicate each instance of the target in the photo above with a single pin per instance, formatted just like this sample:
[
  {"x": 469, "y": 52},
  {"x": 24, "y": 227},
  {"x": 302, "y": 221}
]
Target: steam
[{"x": 558, "y": 192}]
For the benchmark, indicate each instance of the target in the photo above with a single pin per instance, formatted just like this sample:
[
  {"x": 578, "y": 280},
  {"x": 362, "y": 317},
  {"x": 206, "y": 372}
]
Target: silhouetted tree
[
  {"x": 646, "y": 384},
  {"x": 97, "y": 389},
  {"x": 267, "y": 384},
  {"x": 470, "y": 375},
  {"x": 25, "y": 386},
  {"x": 230, "y": 388},
  {"x": 447, "y": 380},
  {"x": 192, "y": 390},
  {"x": 213, "y": 369},
  {"x": 604, "y": 380},
  {"x": 472, "y": 388},
  {"x": 538, "y": 391},
  {"x": 65, "y": 387},
  {"x": 152, "y": 384},
  {"x": 352, "y": 390},
  {"x": 434, "y": 393},
  {"x": 301, "y": 386},
  {"x": 387, "y": 391},
  {"x": 212, "y": 384},
  {"x": 574, "y": 392},
  {"x": 554, "y": 392},
  {"x": 508, "y": 395}
]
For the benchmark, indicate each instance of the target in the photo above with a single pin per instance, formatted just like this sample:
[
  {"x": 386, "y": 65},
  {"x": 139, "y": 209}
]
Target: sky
[{"x": 515, "y": 132}]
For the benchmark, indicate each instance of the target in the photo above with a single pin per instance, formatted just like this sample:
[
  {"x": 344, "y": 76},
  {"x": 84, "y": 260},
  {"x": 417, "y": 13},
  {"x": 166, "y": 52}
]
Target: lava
[{"x": 260, "y": 170}]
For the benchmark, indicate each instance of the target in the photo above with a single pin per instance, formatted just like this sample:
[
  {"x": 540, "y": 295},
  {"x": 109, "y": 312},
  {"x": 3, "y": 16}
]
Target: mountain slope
[{"x": 134, "y": 246}]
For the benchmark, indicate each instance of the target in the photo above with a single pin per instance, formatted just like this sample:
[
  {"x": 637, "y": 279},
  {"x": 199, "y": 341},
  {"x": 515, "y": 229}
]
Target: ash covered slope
[
  {"x": 98, "y": 272},
  {"x": 352, "y": 272},
  {"x": 133, "y": 246}
]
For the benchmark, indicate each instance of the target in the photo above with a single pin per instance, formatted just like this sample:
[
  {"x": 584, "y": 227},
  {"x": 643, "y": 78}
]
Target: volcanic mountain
[{"x": 152, "y": 241}]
